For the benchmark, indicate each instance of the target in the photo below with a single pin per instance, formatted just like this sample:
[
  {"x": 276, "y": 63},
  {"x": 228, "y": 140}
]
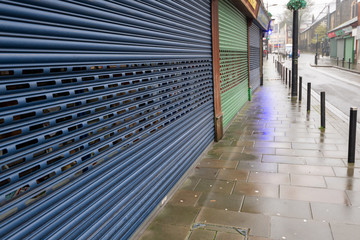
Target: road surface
[{"x": 342, "y": 88}]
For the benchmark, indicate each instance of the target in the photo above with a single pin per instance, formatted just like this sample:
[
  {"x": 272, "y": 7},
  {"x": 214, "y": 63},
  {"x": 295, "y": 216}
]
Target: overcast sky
[{"x": 277, "y": 7}]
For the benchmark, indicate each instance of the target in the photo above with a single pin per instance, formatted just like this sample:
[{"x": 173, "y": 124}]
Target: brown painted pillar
[
  {"x": 216, "y": 70},
  {"x": 261, "y": 59}
]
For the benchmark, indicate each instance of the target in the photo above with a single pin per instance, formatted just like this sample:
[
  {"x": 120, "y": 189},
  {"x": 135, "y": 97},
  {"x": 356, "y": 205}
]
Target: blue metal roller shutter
[
  {"x": 254, "y": 42},
  {"x": 104, "y": 106}
]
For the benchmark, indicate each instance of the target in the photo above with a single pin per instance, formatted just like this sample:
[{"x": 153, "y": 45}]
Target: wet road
[{"x": 342, "y": 87}]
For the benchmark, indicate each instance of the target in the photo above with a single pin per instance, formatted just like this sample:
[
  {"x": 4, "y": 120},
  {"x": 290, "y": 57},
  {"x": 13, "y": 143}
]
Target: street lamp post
[
  {"x": 295, "y": 5},
  {"x": 295, "y": 49}
]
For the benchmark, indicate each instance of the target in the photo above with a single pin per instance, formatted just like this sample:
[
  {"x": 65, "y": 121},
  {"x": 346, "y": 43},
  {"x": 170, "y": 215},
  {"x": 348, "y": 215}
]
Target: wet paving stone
[
  {"x": 299, "y": 153},
  {"x": 257, "y": 166},
  {"x": 165, "y": 232},
  {"x": 219, "y": 186},
  {"x": 185, "y": 198},
  {"x": 354, "y": 198},
  {"x": 272, "y": 145},
  {"x": 313, "y": 194},
  {"x": 306, "y": 170},
  {"x": 258, "y": 138},
  {"x": 211, "y": 163},
  {"x": 201, "y": 234},
  {"x": 345, "y": 231},
  {"x": 330, "y": 140},
  {"x": 336, "y": 213},
  {"x": 335, "y": 154},
  {"x": 295, "y": 140},
  {"x": 258, "y": 224},
  {"x": 257, "y": 150},
  {"x": 245, "y": 143},
  {"x": 307, "y": 181},
  {"x": 190, "y": 183},
  {"x": 209, "y": 173},
  {"x": 233, "y": 175},
  {"x": 348, "y": 183},
  {"x": 277, "y": 207},
  {"x": 324, "y": 161},
  {"x": 257, "y": 238},
  {"x": 228, "y": 149},
  {"x": 299, "y": 229},
  {"x": 177, "y": 215},
  {"x": 221, "y": 201},
  {"x": 229, "y": 236},
  {"x": 257, "y": 189},
  {"x": 241, "y": 157},
  {"x": 312, "y": 146},
  {"x": 272, "y": 178},
  {"x": 283, "y": 159}
]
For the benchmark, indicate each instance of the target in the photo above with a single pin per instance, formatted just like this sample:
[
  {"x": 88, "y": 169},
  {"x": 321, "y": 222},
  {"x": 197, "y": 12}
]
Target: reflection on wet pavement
[{"x": 274, "y": 173}]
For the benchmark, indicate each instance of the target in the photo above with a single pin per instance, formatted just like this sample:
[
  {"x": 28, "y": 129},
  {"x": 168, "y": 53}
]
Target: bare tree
[{"x": 304, "y": 15}]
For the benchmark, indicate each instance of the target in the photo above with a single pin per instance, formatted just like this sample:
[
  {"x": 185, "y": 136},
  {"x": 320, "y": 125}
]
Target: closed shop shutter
[
  {"x": 349, "y": 49},
  {"x": 340, "y": 48},
  {"x": 254, "y": 42},
  {"x": 333, "y": 51},
  {"x": 234, "y": 75},
  {"x": 104, "y": 106}
]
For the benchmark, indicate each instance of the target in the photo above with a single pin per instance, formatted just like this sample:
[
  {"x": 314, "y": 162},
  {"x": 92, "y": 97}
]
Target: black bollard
[
  {"x": 352, "y": 135},
  {"x": 337, "y": 61},
  {"x": 289, "y": 78},
  {"x": 349, "y": 62},
  {"x": 322, "y": 107},
  {"x": 316, "y": 59},
  {"x": 343, "y": 62},
  {"x": 286, "y": 74},
  {"x": 308, "y": 97},
  {"x": 300, "y": 88}
]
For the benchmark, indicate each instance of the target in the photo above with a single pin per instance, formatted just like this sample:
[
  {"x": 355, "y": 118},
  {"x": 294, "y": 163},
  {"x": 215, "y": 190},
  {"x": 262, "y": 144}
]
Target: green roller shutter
[
  {"x": 333, "y": 50},
  {"x": 233, "y": 60},
  {"x": 349, "y": 49}
]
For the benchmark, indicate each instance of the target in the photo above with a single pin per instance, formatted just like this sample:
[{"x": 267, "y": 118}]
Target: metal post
[
  {"x": 343, "y": 62},
  {"x": 286, "y": 76},
  {"x": 290, "y": 78},
  {"x": 316, "y": 46},
  {"x": 337, "y": 61},
  {"x": 322, "y": 107},
  {"x": 308, "y": 97},
  {"x": 295, "y": 49},
  {"x": 300, "y": 88},
  {"x": 349, "y": 62},
  {"x": 352, "y": 135}
]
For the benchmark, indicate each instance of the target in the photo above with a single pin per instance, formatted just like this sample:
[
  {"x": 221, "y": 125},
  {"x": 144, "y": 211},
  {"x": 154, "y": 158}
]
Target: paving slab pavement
[{"x": 274, "y": 175}]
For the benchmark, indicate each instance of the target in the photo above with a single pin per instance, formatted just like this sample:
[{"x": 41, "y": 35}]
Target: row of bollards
[
  {"x": 343, "y": 62},
  {"x": 285, "y": 74}
]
